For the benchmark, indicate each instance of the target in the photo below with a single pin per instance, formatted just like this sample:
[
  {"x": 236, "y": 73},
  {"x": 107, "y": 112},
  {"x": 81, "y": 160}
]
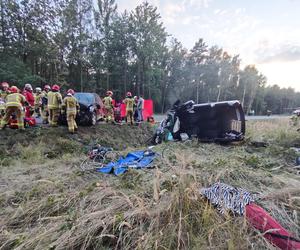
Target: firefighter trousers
[
  {"x": 71, "y": 121},
  {"x": 129, "y": 116},
  {"x": 53, "y": 117},
  {"x": 45, "y": 115},
  {"x": 19, "y": 115},
  {"x": 109, "y": 114}
]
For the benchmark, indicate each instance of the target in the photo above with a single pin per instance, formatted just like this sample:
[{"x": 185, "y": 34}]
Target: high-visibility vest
[
  {"x": 38, "y": 99},
  {"x": 15, "y": 100},
  {"x": 107, "y": 102},
  {"x": 129, "y": 103},
  {"x": 54, "y": 100},
  {"x": 71, "y": 104}
]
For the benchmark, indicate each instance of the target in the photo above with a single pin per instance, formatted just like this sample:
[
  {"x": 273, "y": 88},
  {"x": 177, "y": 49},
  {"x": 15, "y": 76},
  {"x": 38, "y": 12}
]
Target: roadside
[{"x": 47, "y": 202}]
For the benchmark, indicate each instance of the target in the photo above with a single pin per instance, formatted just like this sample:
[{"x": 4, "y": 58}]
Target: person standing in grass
[
  {"x": 129, "y": 102},
  {"x": 109, "y": 107},
  {"x": 70, "y": 104},
  {"x": 38, "y": 101},
  {"x": 140, "y": 108},
  {"x": 44, "y": 105},
  {"x": 54, "y": 105}
]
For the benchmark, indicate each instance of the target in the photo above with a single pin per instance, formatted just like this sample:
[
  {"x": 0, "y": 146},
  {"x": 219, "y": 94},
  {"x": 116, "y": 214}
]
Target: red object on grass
[
  {"x": 148, "y": 109},
  {"x": 28, "y": 122},
  {"x": 270, "y": 228}
]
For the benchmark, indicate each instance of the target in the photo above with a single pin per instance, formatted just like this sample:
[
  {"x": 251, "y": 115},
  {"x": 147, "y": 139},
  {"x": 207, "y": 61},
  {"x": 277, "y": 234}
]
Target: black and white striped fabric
[{"x": 227, "y": 198}]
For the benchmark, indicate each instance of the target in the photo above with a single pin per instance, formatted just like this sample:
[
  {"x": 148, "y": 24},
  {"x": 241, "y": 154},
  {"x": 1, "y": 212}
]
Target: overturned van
[{"x": 212, "y": 122}]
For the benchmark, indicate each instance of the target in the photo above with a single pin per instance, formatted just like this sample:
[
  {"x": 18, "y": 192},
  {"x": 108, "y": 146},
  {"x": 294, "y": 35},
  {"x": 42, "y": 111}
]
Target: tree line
[{"x": 91, "y": 46}]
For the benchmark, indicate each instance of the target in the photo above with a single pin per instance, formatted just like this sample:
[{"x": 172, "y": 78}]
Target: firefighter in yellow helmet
[
  {"x": 14, "y": 104},
  {"x": 129, "y": 102},
  {"x": 70, "y": 104},
  {"x": 109, "y": 107},
  {"x": 54, "y": 105}
]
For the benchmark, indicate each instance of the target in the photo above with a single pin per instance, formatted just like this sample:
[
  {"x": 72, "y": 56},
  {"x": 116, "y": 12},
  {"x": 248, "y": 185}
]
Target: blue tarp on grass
[{"x": 137, "y": 159}]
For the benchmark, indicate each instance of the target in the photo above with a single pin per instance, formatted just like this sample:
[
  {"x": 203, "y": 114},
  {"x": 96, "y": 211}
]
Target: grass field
[{"x": 46, "y": 202}]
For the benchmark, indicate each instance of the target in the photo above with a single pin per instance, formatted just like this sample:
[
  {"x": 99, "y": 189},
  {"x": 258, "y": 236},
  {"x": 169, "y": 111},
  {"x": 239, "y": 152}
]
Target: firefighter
[
  {"x": 4, "y": 91},
  {"x": 129, "y": 102},
  {"x": 70, "y": 104},
  {"x": 109, "y": 107},
  {"x": 44, "y": 105},
  {"x": 14, "y": 103},
  {"x": 28, "y": 93},
  {"x": 38, "y": 101},
  {"x": 54, "y": 105}
]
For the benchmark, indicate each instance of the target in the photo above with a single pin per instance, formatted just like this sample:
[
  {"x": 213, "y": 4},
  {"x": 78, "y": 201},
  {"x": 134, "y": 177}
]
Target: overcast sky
[{"x": 263, "y": 32}]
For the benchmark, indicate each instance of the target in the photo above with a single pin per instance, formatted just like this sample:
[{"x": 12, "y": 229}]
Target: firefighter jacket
[
  {"x": 38, "y": 99},
  {"x": 15, "y": 100},
  {"x": 54, "y": 100},
  {"x": 29, "y": 97},
  {"x": 70, "y": 103},
  {"x": 3, "y": 94},
  {"x": 108, "y": 102},
  {"x": 129, "y": 103}
]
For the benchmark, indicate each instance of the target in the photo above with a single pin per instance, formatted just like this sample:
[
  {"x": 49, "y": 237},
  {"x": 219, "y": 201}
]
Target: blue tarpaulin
[{"x": 137, "y": 159}]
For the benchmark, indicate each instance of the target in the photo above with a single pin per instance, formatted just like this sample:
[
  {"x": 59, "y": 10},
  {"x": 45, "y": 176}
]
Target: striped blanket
[{"x": 227, "y": 198}]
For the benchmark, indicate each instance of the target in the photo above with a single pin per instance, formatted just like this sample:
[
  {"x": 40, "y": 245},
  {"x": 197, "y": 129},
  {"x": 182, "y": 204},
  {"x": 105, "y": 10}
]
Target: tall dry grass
[{"x": 50, "y": 205}]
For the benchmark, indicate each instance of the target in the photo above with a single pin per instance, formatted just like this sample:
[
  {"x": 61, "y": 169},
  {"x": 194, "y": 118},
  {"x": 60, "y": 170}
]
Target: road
[{"x": 159, "y": 117}]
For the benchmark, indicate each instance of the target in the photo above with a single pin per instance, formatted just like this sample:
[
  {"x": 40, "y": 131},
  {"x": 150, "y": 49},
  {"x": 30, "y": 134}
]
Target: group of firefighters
[
  {"x": 49, "y": 104},
  {"x": 134, "y": 105}
]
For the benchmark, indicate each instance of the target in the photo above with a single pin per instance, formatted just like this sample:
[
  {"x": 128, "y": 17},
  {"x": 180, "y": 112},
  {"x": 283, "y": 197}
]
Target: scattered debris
[
  {"x": 228, "y": 198},
  {"x": 241, "y": 202},
  {"x": 97, "y": 157},
  {"x": 137, "y": 160}
]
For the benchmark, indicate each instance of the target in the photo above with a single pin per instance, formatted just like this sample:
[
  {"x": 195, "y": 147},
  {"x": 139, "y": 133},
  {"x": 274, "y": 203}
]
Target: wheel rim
[{"x": 94, "y": 119}]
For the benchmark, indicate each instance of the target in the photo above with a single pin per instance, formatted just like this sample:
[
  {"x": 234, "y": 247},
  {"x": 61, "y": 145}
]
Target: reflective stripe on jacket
[
  {"x": 108, "y": 102},
  {"x": 54, "y": 100},
  {"x": 38, "y": 99},
  {"x": 129, "y": 104},
  {"x": 15, "y": 100},
  {"x": 71, "y": 104}
]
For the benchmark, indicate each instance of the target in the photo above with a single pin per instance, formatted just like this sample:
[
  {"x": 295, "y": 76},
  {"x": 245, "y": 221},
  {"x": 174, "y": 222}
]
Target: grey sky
[{"x": 265, "y": 33}]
